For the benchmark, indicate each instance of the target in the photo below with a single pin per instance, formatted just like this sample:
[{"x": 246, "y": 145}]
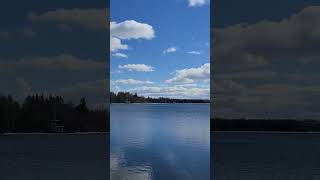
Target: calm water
[
  {"x": 54, "y": 157},
  {"x": 265, "y": 156},
  {"x": 160, "y": 142}
]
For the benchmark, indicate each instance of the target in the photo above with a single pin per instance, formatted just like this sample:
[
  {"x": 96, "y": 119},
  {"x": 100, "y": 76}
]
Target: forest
[
  {"x": 44, "y": 114},
  {"x": 37, "y": 112},
  {"x": 126, "y": 97}
]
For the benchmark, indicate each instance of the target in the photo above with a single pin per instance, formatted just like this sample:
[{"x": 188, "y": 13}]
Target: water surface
[
  {"x": 54, "y": 157},
  {"x": 265, "y": 156},
  {"x": 160, "y": 142}
]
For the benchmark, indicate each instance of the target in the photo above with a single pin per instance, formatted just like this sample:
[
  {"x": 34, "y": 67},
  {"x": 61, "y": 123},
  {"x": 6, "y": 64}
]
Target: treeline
[
  {"x": 286, "y": 125},
  {"x": 36, "y": 113},
  {"x": 126, "y": 97}
]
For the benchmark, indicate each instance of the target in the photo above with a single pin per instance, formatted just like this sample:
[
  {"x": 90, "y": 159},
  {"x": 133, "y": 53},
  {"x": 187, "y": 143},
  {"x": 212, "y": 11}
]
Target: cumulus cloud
[
  {"x": 192, "y": 74},
  {"x": 173, "y": 92},
  {"x": 170, "y": 50},
  {"x": 63, "y": 62},
  {"x": 26, "y": 32},
  {"x": 116, "y": 44},
  {"x": 131, "y": 82},
  {"x": 250, "y": 75},
  {"x": 94, "y": 91},
  {"x": 194, "y": 52},
  {"x": 4, "y": 34},
  {"x": 266, "y": 69},
  {"x": 114, "y": 88},
  {"x": 223, "y": 88},
  {"x": 235, "y": 99},
  {"x": 120, "y": 55},
  {"x": 23, "y": 87},
  {"x": 267, "y": 41},
  {"x": 115, "y": 72},
  {"x": 127, "y": 30},
  {"x": 131, "y": 29},
  {"x": 197, "y": 3},
  {"x": 137, "y": 67},
  {"x": 94, "y": 19}
]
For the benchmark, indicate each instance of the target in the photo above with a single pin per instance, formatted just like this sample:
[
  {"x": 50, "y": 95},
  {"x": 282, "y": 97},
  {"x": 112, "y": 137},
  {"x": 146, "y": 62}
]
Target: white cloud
[
  {"x": 116, "y": 44},
  {"x": 265, "y": 100},
  {"x": 127, "y": 30},
  {"x": 194, "y": 52},
  {"x": 63, "y": 62},
  {"x": 249, "y": 75},
  {"x": 120, "y": 55},
  {"x": 4, "y": 34},
  {"x": 94, "y": 19},
  {"x": 187, "y": 85},
  {"x": 173, "y": 92},
  {"x": 197, "y": 3},
  {"x": 179, "y": 80},
  {"x": 94, "y": 91},
  {"x": 23, "y": 86},
  {"x": 131, "y": 29},
  {"x": 131, "y": 82},
  {"x": 21, "y": 32},
  {"x": 114, "y": 88},
  {"x": 115, "y": 72},
  {"x": 65, "y": 27},
  {"x": 245, "y": 87},
  {"x": 170, "y": 50},
  {"x": 137, "y": 67},
  {"x": 28, "y": 32},
  {"x": 191, "y": 74},
  {"x": 265, "y": 42}
]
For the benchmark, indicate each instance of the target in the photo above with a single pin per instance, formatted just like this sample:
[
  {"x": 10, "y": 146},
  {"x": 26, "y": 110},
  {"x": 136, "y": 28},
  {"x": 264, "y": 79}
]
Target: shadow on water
[
  {"x": 264, "y": 156},
  {"x": 54, "y": 156}
]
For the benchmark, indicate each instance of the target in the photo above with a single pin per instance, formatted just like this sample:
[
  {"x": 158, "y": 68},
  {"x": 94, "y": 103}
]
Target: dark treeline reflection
[
  {"x": 126, "y": 97},
  {"x": 265, "y": 125},
  {"x": 44, "y": 114}
]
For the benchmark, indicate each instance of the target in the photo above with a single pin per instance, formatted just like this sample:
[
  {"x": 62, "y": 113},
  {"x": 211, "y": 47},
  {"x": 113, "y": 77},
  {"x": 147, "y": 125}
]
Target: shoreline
[
  {"x": 226, "y": 132},
  {"x": 39, "y": 133},
  {"x": 159, "y": 103},
  {"x": 269, "y": 132}
]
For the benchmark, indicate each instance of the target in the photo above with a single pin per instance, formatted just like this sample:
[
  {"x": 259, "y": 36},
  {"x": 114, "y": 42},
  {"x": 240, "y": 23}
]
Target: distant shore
[
  {"x": 127, "y": 97},
  {"x": 267, "y": 132},
  {"x": 38, "y": 133},
  {"x": 264, "y": 125},
  {"x": 165, "y": 103}
]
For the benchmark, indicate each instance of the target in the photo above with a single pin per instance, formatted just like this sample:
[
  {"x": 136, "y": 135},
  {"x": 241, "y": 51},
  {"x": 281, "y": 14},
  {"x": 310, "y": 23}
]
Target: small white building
[{"x": 56, "y": 127}]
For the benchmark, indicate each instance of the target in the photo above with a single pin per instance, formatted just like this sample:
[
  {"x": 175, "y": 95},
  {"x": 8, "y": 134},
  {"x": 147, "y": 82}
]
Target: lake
[
  {"x": 265, "y": 156},
  {"x": 160, "y": 142},
  {"x": 54, "y": 156}
]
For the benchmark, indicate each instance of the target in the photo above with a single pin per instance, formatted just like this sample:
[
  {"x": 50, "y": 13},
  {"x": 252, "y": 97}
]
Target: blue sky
[{"x": 162, "y": 40}]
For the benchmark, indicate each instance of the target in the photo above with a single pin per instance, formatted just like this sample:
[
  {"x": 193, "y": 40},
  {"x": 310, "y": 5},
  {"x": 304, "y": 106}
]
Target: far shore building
[{"x": 56, "y": 126}]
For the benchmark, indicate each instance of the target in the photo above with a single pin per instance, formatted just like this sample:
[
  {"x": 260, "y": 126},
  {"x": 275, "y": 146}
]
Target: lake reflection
[
  {"x": 160, "y": 141},
  {"x": 54, "y": 156},
  {"x": 265, "y": 156}
]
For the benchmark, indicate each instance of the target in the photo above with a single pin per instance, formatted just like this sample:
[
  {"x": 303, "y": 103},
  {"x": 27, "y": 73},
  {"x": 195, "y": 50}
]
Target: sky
[
  {"x": 160, "y": 48},
  {"x": 265, "y": 59},
  {"x": 55, "y": 47}
]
